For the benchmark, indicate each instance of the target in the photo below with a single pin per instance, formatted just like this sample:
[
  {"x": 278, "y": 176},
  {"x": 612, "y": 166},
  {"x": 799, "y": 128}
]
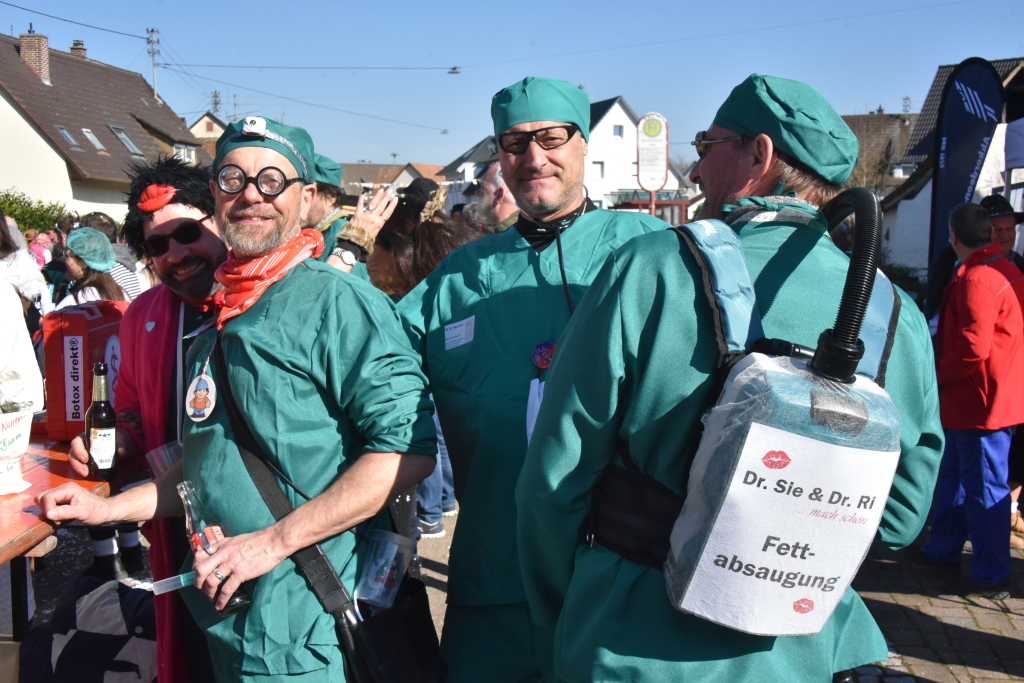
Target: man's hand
[
  {"x": 71, "y": 502},
  {"x": 78, "y": 456},
  {"x": 238, "y": 559}
]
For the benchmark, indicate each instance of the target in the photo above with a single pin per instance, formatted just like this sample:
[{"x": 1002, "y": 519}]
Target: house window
[
  {"x": 599, "y": 168},
  {"x": 186, "y": 153},
  {"x": 68, "y": 137},
  {"x": 209, "y": 126},
  {"x": 94, "y": 140},
  {"x": 119, "y": 133},
  {"x": 617, "y": 131}
]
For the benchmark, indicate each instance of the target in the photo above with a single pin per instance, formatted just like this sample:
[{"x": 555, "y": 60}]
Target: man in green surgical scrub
[
  {"x": 634, "y": 370},
  {"x": 486, "y": 323},
  {"x": 319, "y": 366}
]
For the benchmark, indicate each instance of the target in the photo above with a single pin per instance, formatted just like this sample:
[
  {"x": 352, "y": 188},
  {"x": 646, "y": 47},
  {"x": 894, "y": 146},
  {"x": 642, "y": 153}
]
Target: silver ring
[{"x": 220, "y": 577}]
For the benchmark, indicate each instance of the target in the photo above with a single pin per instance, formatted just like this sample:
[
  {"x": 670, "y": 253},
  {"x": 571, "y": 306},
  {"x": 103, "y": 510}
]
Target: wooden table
[
  {"x": 22, "y": 532},
  {"x": 44, "y": 466}
]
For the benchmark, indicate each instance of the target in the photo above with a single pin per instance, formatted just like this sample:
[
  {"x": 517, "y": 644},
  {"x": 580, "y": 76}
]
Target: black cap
[
  {"x": 998, "y": 205},
  {"x": 420, "y": 188},
  {"x": 99, "y": 368}
]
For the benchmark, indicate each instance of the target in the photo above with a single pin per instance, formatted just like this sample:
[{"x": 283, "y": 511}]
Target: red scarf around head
[{"x": 245, "y": 281}]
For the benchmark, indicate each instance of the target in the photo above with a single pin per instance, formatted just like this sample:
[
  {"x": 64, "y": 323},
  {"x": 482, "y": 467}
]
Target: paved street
[{"x": 934, "y": 635}]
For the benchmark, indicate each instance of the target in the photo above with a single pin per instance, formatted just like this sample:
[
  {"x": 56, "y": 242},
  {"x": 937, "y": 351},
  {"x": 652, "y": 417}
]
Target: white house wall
[
  {"x": 95, "y": 195},
  {"x": 618, "y": 155},
  {"x": 34, "y": 166},
  {"x": 31, "y": 163}
]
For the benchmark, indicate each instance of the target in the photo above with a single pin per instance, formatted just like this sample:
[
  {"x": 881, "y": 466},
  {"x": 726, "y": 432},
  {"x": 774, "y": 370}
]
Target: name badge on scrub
[{"x": 457, "y": 334}]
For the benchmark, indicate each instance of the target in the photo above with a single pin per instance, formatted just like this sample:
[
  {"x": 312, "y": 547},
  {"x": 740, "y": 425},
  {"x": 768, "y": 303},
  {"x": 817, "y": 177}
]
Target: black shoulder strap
[
  {"x": 315, "y": 565},
  {"x": 890, "y": 337}
]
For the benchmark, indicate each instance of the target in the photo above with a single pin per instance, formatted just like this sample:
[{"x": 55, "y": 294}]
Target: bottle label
[
  {"x": 212, "y": 535},
  {"x": 102, "y": 446}
]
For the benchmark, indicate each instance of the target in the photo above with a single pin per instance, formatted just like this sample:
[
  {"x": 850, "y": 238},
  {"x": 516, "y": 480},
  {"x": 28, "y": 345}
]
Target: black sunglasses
[
  {"x": 186, "y": 233},
  {"x": 271, "y": 181},
  {"x": 548, "y": 138},
  {"x": 701, "y": 144}
]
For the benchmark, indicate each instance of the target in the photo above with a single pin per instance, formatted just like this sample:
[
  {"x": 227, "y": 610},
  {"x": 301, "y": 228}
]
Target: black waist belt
[{"x": 632, "y": 514}]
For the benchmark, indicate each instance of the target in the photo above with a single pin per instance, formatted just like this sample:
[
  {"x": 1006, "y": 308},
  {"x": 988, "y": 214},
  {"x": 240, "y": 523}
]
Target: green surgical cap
[
  {"x": 540, "y": 99},
  {"x": 93, "y": 247},
  {"x": 328, "y": 171},
  {"x": 291, "y": 141},
  {"x": 797, "y": 118}
]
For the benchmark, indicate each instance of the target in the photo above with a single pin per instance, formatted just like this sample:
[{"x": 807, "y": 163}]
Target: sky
[{"x": 678, "y": 59}]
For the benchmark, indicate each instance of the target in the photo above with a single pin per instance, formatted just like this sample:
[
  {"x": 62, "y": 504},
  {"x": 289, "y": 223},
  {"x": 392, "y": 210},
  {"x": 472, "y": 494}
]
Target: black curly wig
[{"x": 192, "y": 182}]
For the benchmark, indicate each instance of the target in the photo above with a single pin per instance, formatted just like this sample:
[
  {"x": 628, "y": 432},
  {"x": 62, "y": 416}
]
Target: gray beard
[{"x": 247, "y": 246}]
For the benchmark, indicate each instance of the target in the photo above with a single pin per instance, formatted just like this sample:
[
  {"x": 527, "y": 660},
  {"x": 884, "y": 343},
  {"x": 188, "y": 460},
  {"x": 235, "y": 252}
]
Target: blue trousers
[
  {"x": 972, "y": 500},
  {"x": 436, "y": 492}
]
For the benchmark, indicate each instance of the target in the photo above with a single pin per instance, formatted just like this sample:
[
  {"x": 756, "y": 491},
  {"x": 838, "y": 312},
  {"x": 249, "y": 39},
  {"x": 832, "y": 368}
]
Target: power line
[
  {"x": 726, "y": 34},
  {"x": 70, "y": 21},
  {"x": 314, "y": 104},
  {"x": 449, "y": 69}
]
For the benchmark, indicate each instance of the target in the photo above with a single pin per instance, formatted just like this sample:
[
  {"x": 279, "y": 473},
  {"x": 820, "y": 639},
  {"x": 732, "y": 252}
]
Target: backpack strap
[
  {"x": 727, "y": 285},
  {"x": 879, "y": 329}
]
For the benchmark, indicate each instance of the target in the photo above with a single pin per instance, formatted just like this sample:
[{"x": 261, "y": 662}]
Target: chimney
[
  {"x": 78, "y": 48},
  {"x": 35, "y": 50}
]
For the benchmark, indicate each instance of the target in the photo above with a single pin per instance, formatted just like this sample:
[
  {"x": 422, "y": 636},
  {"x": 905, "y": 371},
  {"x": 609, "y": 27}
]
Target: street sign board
[{"x": 652, "y": 152}]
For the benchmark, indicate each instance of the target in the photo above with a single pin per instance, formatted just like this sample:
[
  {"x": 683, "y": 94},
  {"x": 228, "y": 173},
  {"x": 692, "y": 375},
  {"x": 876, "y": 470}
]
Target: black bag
[{"x": 396, "y": 645}]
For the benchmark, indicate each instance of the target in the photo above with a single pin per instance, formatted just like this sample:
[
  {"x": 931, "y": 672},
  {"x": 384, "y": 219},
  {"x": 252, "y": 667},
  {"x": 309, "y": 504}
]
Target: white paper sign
[
  {"x": 75, "y": 401},
  {"x": 796, "y": 524},
  {"x": 15, "y": 429},
  {"x": 459, "y": 333}
]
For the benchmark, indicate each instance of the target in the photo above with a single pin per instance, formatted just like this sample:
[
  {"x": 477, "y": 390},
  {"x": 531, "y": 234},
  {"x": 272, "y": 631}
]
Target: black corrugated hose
[{"x": 840, "y": 349}]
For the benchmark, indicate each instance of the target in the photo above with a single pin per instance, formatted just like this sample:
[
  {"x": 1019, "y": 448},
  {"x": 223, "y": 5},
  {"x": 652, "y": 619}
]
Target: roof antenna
[{"x": 153, "y": 51}]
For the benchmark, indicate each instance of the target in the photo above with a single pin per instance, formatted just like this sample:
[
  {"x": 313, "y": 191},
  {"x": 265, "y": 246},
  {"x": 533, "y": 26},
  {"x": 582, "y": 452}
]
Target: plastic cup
[
  {"x": 389, "y": 557},
  {"x": 162, "y": 457}
]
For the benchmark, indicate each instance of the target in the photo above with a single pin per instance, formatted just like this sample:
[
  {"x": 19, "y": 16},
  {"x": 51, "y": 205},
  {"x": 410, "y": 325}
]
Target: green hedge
[{"x": 31, "y": 213}]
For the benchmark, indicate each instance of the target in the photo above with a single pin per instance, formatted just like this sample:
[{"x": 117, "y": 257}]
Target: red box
[{"x": 73, "y": 339}]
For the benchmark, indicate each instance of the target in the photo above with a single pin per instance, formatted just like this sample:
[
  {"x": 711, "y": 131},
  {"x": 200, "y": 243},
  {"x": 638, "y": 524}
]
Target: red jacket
[
  {"x": 980, "y": 347},
  {"x": 148, "y": 335}
]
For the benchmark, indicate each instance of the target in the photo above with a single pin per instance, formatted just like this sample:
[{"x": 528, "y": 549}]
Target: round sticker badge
[
  {"x": 200, "y": 398},
  {"x": 542, "y": 354}
]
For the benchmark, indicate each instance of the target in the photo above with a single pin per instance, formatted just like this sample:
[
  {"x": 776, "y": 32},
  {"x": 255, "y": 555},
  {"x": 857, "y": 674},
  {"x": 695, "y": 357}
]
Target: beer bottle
[
  {"x": 100, "y": 423},
  {"x": 201, "y": 534}
]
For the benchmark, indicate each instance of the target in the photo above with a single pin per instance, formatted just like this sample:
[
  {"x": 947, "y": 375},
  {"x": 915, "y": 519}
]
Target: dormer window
[
  {"x": 186, "y": 153},
  {"x": 94, "y": 140},
  {"x": 68, "y": 137},
  {"x": 121, "y": 135}
]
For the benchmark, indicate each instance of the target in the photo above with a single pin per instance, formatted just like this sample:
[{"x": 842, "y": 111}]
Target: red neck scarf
[{"x": 245, "y": 281}]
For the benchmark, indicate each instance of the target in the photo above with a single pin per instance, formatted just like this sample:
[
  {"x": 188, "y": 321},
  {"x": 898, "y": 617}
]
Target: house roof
[
  {"x": 910, "y": 188},
  {"x": 92, "y": 95},
  {"x": 377, "y": 174},
  {"x": 208, "y": 115},
  {"x": 431, "y": 171},
  {"x": 484, "y": 151},
  {"x": 922, "y": 138},
  {"x": 599, "y": 109}
]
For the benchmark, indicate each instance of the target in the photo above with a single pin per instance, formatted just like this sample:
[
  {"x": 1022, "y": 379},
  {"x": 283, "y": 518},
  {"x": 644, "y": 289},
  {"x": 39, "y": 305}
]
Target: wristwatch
[{"x": 346, "y": 256}]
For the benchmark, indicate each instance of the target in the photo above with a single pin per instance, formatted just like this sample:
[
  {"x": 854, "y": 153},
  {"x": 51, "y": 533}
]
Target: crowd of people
[{"x": 505, "y": 355}]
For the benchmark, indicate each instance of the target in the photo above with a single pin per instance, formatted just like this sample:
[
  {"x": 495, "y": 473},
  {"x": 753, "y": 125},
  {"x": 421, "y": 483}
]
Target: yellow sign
[{"x": 652, "y": 128}]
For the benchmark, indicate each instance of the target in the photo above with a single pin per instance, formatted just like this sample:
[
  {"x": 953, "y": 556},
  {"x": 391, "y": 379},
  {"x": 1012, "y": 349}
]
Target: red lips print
[
  {"x": 775, "y": 460},
  {"x": 803, "y": 605}
]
